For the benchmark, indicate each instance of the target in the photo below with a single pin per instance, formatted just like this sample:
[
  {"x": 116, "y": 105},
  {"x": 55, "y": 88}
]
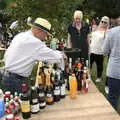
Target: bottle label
[
  {"x": 63, "y": 89},
  {"x": 49, "y": 95},
  {"x": 42, "y": 104},
  {"x": 25, "y": 106},
  {"x": 57, "y": 91},
  {"x": 41, "y": 95},
  {"x": 34, "y": 100},
  {"x": 35, "y": 108}
]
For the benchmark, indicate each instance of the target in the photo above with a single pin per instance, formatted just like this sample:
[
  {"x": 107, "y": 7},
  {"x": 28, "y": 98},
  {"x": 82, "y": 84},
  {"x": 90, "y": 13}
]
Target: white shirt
[
  {"x": 97, "y": 40},
  {"x": 25, "y": 50}
]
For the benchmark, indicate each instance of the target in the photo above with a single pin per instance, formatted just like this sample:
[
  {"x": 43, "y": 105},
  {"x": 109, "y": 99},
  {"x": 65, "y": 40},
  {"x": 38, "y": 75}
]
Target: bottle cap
[{"x": 24, "y": 87}]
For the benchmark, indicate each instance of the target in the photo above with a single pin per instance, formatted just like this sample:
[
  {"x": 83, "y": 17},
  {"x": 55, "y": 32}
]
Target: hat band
[{"x": 42, "y": 27}]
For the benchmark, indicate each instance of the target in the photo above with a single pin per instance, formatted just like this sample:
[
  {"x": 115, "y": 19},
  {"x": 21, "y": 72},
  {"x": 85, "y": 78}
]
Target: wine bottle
[
  {"x": 56, "y": 88},
  {"x": 41, "y": 96},
  {"x": 85, "y": 82},
  {"x": 49, "y": 89},
  {"x": 25, "y": 102},
  {"x": 78, "y": 76},
  {"x": 63, "y": 85},
  {"x": 34, "y": 101}
]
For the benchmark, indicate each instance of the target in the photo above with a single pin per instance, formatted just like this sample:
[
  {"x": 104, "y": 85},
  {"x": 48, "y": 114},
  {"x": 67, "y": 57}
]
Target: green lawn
[
  {"x": 101, "y": 85},
  {"x": 93, "y": 72}
]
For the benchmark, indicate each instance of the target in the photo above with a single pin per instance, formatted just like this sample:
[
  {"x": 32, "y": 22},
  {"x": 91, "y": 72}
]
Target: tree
[
  {"x": 104, "y": 7},
  {"x": 58, "y": 12}
]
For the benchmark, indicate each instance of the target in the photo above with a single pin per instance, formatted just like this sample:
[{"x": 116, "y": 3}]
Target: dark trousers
[
  {"x": 12, "y": 82},
  {"x": 114, "y": 91},
  {"x": 98, "y": 59}
]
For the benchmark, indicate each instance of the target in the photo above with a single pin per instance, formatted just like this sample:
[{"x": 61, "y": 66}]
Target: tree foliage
[
  {"x": 104, "y": 7},
  {"x": 59, "y": 12}
]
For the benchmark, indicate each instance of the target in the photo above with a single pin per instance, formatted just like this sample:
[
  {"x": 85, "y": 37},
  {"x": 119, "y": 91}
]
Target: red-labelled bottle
[
  {"x": 12, "y": 106},
  {"x": 7, "y": 109},
  {"x": 17, "y": 102},
  {"x": 85, "y": 82},
  {"x": 7, "y": 95}
]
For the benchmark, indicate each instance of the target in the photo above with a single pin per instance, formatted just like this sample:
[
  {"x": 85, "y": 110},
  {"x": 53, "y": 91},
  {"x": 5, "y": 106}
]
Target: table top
[{"x": 90, "y": 106}]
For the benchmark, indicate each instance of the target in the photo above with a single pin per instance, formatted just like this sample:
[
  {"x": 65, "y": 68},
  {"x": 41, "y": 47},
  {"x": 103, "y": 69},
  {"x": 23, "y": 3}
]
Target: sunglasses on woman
[{"x": 103, "y": 22}]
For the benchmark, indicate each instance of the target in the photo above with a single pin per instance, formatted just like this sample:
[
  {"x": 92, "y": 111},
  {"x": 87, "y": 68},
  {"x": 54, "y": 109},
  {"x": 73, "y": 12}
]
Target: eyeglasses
[{"x": 103, "y": 22}]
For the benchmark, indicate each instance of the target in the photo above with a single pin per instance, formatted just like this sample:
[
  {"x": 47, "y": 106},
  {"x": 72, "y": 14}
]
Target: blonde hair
[{"x": 78, "y": 14}]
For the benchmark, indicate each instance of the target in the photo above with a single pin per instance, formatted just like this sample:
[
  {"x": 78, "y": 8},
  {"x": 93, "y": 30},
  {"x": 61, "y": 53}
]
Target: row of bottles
[
  {"x": 53, "y": 80},
  {"x": 49, "y": 88},
  {"x": 78, "y": 77}
]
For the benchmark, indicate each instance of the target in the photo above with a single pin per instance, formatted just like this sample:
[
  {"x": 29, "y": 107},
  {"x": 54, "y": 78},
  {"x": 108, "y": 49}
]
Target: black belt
[{"x": 7, "y": 73}]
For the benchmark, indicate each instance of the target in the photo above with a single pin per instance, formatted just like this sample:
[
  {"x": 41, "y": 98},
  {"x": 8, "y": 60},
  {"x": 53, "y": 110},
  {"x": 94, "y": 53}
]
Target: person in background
[
  {"x": 113, "y": 23},
  {"x": 96, "y": 46},
  {"x": 77, "y": 34},
  {"x": 94, "y": 24},
  {"x": 112, "y": 48},
  {"x": 24, "y": 51}
]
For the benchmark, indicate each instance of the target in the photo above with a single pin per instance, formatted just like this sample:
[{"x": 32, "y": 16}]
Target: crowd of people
[
  {"x": 104, "y": 40},
  {"x": 22, "y": 54}
]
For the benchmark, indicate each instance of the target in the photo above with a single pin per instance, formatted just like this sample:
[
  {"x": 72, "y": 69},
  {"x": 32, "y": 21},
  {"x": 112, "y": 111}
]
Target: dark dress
[{"x": 79, "y": 38}]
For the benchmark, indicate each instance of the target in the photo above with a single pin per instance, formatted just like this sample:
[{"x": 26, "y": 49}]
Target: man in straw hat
[
  {"x": 77, "y": 34},
  {"x": 27, "y": 48}
]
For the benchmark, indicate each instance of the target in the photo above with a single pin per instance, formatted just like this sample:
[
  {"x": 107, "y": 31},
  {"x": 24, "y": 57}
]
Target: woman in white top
[{"x": 96, "y": 46}]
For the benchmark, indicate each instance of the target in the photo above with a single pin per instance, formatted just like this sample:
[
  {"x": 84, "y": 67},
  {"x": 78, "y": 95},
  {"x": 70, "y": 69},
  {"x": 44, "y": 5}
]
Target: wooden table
[{"x": 90, "y": 106}]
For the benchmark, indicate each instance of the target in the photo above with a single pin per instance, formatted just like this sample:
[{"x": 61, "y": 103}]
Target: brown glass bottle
[
  {"x": 49, "y": 90},
  {"x": 78, "y": 76}
]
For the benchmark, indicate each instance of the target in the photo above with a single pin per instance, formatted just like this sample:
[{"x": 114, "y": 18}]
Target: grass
[
  {"x": 93, "y": 72},
  {"x": 101, "y": 85}
]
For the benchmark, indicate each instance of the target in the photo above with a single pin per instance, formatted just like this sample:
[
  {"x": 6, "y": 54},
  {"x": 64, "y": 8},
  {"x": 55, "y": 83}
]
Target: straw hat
[
  {"x": 43, "y": 24},
  {"x": 78, "y": 14}
]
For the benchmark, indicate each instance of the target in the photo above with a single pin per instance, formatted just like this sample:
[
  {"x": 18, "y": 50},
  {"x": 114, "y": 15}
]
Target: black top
[{"x": 79, "y": 38}]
